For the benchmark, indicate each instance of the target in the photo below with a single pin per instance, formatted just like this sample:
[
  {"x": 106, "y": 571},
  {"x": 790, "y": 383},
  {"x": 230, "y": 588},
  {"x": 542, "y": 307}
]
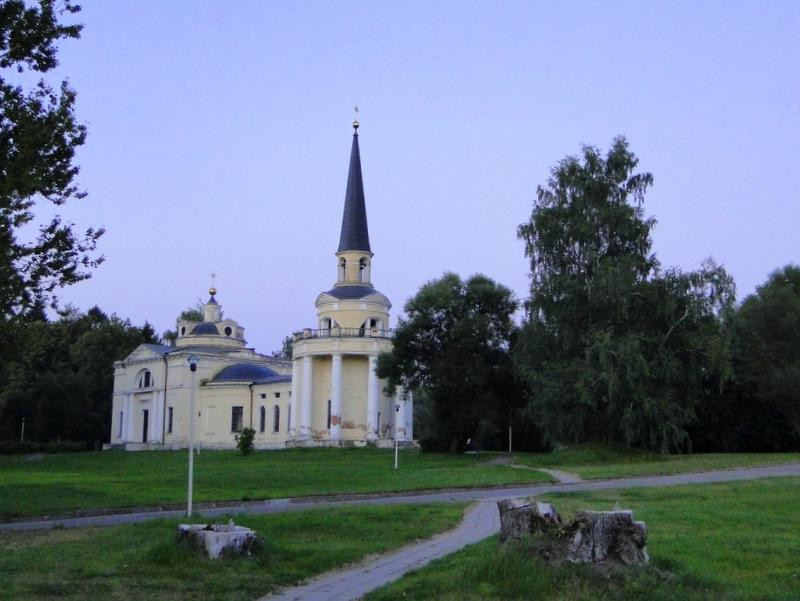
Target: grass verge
[
  {"x": 142, "y": 561},
  {"x": 732, "y": 541},
  {"x": 592, "y": 461},
  {"x": 51, "y": 484}
]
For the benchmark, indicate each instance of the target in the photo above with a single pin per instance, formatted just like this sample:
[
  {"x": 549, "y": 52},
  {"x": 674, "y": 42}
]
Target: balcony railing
[{"x": 337, "y": 332}]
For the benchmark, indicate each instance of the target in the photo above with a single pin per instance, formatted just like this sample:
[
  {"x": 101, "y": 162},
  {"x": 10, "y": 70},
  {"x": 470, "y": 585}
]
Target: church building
[{"x": 327, "y": 395}]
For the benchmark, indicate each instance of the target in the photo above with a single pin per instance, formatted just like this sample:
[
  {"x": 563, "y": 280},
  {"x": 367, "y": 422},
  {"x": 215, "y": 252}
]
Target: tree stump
[
  {"x": 218, "y": 539},
  {"x": 519, "y": 517},
  {"x": 590, "y": 537},
  {"x": 597, "y": 536}
]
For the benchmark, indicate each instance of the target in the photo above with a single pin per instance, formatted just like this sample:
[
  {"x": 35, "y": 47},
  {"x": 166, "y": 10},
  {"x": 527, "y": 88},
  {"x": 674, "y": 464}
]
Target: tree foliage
[
  {"x": 452, "y": 347},
  {"x": 61, "y": 376},
  {"x": 759, "y": 409},
  {"x": 613, "y": 348},
  {"x": 188, "y": 314},
  {"x": 39, "y": 135}
]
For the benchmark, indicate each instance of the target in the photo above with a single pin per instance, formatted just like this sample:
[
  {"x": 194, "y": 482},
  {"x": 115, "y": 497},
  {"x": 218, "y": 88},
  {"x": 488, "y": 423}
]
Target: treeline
[
  {"x": 613, "y": 347},
  {"x": 57, "y": 376}
]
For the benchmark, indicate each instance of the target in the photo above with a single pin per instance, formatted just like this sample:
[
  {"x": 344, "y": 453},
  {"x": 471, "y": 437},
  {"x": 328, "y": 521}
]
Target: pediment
[{"x": 142, "y": 353}]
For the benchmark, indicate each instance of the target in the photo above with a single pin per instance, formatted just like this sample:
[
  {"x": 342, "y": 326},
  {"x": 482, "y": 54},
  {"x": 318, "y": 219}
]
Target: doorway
[{"x": 144, "y": 424}]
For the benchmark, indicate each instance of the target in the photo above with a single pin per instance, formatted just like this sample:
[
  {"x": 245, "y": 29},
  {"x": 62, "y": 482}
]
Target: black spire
[{"x": 355, "y": 234}]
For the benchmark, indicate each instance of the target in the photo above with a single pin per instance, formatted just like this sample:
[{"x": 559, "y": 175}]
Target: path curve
[
  {"x": 447, "y": 496},
  {"x": 352, "y": 583}
]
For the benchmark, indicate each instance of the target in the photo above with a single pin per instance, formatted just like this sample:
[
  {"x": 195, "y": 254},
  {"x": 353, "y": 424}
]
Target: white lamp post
[
  {"x": 192, "y": 360},
  {"x": 396, "y": 414}
]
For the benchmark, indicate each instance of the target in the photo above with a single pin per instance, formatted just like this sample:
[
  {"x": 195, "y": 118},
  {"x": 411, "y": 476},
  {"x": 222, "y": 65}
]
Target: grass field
[
  {"x": 596, "y": 461},
  {"x": 53, "y": 484},
  {"x": 733, "y": 541},
  {"x": 142, "y": 561}
]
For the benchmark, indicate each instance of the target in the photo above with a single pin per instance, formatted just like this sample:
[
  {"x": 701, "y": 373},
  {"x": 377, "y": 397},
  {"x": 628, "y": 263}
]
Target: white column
[
  {"x": 305, "y": 419},
  {"x": 373, "y": 394},
  {"x": 128, "y": 418},
  {"x": 336, "y": 397},
  {"x": 159, "y": 425},
  {"x": 154, "y": 427},
  {"x": 293, "y": 401},
  {"x": 400, "y": 414}
]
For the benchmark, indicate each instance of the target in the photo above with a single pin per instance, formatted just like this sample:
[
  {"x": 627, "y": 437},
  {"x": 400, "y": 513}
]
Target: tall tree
[
  {"x": 453, "y": 347},
  {"x": 613, "y": 349},
  {"x": 766, "y": 413},
  {"x": 39, "y": 135}
]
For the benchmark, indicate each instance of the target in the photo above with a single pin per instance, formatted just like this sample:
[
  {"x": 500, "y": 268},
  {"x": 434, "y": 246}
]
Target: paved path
[
  {"x": 344, "y": 585},
  {"x": 562, "y": 477},
  {"x": 451, "y": 496}
]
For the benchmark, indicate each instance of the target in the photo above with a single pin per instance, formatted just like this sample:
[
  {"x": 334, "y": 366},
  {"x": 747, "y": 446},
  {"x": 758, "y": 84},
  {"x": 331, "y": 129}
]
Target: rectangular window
[
  {"x": 329, "y": 414},
  {"x": 121, "y": 415},
  {"x": 237, "y": 419},
  {"x": 277, "y": 395},
  {"x": 169, "y": 420},
  {"x": 263, "y": 396}
]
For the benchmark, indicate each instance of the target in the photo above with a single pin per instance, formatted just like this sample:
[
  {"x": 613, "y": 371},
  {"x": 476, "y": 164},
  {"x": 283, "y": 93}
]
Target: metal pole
[
  {"x": 191, "y": 442},
  {"x": 396, "y": 414},
  {"x": 22, "y": 433},
  {"x": 509, "y": 439}
]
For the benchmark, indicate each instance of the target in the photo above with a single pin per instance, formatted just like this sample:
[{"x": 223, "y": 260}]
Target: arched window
[
  {"x": 342, "y": 265},
  {"x": 276, "y": 419},
  {"x": 362, "y": 270},
  {"x": 373, "y": 323},
  {"x": 262, "y": 421},
  {"x": 326, "y": 324},
  {"x": 145, "y": 379}
]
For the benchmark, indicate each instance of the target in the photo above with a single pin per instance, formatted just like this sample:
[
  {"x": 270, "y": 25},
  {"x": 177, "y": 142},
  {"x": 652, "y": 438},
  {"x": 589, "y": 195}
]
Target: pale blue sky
[{"x": 219, "y": 136}]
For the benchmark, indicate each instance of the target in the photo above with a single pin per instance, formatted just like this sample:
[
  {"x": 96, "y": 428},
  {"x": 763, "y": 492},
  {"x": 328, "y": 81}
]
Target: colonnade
[{"x": 302, "y": 399}]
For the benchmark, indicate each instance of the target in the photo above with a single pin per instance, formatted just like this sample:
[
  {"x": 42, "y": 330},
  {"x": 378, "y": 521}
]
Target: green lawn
[
  {"x": 595, "y": 461},
  {"x": 737, "y": 541},
  {"x": 53, "y": 484},
  {"x": 142, "y": 561}
]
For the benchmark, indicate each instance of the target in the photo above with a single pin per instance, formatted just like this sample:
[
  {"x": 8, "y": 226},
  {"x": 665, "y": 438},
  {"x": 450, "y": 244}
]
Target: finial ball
[
  {"x": 356, "y": 124},
  {"x": 212, "y": 291}
]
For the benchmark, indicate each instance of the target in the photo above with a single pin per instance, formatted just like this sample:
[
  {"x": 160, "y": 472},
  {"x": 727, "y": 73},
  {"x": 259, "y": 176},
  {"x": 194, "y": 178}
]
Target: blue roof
[
  {"x": 161, "y": 349},
  {"x": 205, "y": 328},
  {"x": 351, "y": 292},
  {"x": 273, "y": 379},
  {"x": 245, "y": 372}
]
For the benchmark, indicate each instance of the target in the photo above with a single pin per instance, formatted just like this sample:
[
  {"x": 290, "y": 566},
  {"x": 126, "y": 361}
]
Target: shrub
[{"x": 244, "y": 441}]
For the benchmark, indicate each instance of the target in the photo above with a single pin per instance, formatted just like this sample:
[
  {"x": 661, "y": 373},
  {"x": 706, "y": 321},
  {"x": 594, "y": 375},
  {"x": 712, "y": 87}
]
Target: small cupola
[{"x": 212, "y": 312}]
